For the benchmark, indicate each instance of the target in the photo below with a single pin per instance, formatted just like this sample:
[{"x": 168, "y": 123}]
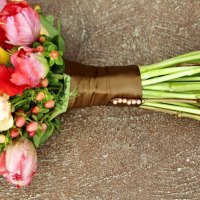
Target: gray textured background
[{"x": 120, "y": 153}]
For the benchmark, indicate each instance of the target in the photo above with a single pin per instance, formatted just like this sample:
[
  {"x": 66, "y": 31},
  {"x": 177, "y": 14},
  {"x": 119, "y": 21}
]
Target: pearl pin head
[{"x": 126, "y": 101}]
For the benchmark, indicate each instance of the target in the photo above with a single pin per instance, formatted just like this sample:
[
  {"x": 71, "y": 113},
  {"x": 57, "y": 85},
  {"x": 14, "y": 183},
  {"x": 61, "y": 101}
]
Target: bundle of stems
[{"x": 173, "y": 86}]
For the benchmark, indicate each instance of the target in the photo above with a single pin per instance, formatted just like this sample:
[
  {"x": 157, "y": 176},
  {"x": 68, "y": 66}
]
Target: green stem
[
  {"x": 189, "y": 72},
  {"x": 191, "y": 57},
  {"x": 159, "y": 72},
  {"x": 57, "y": 76},
  {"x": 174, "y": 107},
  {"x": 171, "y": 100},
  {"x": 22, "y": 102},
  {"x": 147, "y": 94},
  {"x": 174, "y": 86},
  {"x": 192, "y": 116},
  {"x": 188, "y": 79}
]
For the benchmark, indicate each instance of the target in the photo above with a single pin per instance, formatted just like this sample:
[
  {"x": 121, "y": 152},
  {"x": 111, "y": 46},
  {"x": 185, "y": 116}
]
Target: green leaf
[
  {"x": 51, "y": 62},
  {"x": 62, "y": 104},
  {"x": 36, "y": 140},
  {"x": 50, "y": 19},
  {"x": 41, "y": 138},
  {"x": 45, "y": 110},
  {"x": 59, "y": 26},
  {"x": 48, "y": 133},
  {"x": 48, "y": 26},
  {"x": 34, "y": 117},
  {"x": 39, "y": 116},
  {"x": 57, "y": 123},
  {"x": 59, "y": 61},
  {"x": 36, "y": 44},
  {"x": 59, "y": 42},
  {"x": 49, "y": 46},
  {"x": 58, "y": 69}
]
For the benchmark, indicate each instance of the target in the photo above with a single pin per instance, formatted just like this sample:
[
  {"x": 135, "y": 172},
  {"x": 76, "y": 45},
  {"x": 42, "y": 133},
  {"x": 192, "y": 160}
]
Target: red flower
[{"x": 6, "y": 86}]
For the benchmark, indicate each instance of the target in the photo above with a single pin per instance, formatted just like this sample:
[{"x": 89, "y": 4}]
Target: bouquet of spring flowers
[
  {"x": 33, "y": 89},
  {"x": 37, "y": 85}
]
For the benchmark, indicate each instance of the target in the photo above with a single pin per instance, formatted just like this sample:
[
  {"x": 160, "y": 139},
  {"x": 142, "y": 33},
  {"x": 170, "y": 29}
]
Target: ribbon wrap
[{"x": 100, "y": 85}]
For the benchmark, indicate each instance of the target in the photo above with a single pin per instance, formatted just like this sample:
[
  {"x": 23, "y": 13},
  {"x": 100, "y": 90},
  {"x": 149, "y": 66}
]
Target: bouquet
[{"x": 37, "y": 85}]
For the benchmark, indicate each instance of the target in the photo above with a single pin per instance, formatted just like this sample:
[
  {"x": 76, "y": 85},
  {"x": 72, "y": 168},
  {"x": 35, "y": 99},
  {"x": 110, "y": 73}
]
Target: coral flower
[
  {"x": 19, "y": 24},
  {"x": 20, "y": 162}
]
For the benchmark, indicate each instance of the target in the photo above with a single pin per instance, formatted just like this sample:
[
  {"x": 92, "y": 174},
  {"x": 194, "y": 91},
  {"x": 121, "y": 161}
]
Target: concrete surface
[{"x": 120, "y": 153}]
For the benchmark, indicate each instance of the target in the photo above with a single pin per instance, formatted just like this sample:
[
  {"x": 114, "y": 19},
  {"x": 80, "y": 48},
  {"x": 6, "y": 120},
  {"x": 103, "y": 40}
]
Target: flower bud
[
  {"x": 54, "y": 54},
  {"x": 49, "y": 104},
  {"x": 44, "y": 82},
  {"x": 37, "y": 8},
  {"x": 2, "y": 138},
  {"x": 20, "y": 121},
  {"x": 14, "y": 133},
  {"x": 20, "y": 162},
  {"x": 32, "y": 133},
  {"x": 40, "y": 96},
  {"x": 20, "y": 112},
  {"x": 35, "y": 110},
  {"x": 44, "y": 127},
  {"x": 42, "y": 39},
  {"x": 32, "y": 127},
  {"x": 39, "y": 49}
]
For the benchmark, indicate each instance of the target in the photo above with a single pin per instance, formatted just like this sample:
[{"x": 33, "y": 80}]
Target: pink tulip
[
  {"x": 30, "y": 67},
  {"x": 21, "y": 162},
  {"x": 19, "y": 24},
  {"x": 3, "y": 163},
  {"x": 2, "y": 4}
]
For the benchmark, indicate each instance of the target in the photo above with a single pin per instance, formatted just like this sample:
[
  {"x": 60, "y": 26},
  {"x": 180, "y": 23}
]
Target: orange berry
[
  {"x": 42, "y": 39},
  {"x": 35, "y": 110},
  {"x": 44, "y": 127},
  {"x": 49, "y": 104},
  {"x": 14, "y": 132},
  {"x": 32, "y": 127},
  {"x": 54, "y": 54},
  {"x": 20, "y": 121},
  {"x": 44, "y": 82},
  {"x": 40, "y": 49},
  {"x": 40, "y": 96},
  {"x": 32, "y": 133}
]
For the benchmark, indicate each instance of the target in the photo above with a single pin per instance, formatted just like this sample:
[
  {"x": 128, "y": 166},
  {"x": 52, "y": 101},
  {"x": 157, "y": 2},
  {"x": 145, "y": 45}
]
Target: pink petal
[
  {"x": 3, "y": 169},
  {"x": 2, "y": 4}
]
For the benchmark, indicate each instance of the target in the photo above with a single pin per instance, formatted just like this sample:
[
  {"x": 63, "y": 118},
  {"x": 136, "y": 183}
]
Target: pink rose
[
  {"x": 30, "y": 67},
  {"x": 20, "y": 162},
  {"x": 19, "y": 24}
]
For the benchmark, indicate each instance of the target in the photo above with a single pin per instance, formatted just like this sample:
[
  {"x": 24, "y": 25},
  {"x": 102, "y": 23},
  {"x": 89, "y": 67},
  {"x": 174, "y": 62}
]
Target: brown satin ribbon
[{"x": 100, "y": 85}]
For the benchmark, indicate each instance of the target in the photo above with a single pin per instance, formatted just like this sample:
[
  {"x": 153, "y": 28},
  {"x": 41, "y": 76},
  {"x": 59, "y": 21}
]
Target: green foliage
[{"x": 41, "y": 138}]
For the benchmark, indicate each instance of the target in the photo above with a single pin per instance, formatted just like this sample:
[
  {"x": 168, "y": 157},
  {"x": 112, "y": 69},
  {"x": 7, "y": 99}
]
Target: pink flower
[
  {"x": 19, "y": 24},
  {"x": 2, "y": 4},
  {"x": 30, "y": 67},
  {"x": 3, "y": 163},
  {"x": 20, "y": 162}
]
